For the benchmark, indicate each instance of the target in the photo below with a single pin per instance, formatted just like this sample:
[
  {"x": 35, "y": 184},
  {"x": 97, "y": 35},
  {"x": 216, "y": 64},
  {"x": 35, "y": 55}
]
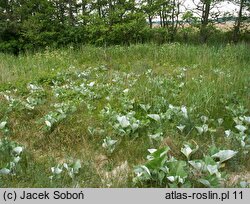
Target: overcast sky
[{"x": 223, "y": 7}]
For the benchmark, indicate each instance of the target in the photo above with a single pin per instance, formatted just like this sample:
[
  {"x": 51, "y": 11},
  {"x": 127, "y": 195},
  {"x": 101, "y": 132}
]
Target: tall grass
[{"x": 71, "y": 138}]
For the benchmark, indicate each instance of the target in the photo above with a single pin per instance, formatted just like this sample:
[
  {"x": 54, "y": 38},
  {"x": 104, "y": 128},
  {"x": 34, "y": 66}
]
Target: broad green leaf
[{"x": 177, "y": 168}]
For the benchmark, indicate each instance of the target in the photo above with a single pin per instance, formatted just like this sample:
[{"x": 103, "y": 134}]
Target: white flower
[{"x": 123, "y": 120}]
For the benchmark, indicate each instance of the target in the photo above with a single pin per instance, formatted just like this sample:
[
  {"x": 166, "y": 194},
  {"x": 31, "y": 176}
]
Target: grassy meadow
[{"x": 148, "y": 115}]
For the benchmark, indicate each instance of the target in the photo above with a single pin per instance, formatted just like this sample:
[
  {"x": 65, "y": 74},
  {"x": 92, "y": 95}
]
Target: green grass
[{"x": 215, "y": 77}]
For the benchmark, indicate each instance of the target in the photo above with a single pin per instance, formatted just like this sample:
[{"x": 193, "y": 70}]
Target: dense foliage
[
  {"x": 146, "y": 115},
  {"x": 33, "y": 24}
]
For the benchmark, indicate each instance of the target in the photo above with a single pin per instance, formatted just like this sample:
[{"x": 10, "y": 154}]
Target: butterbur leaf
[
  {"x": 125, "y": 91},
  {"x": 177, "y": 168},
  {"x": 157, "y": 158},
  {"x": 209, "y": 161},
  {"x": 145, "y": 107},
  {"x": 123, "y": 120},
  {"x": 212, "y": 169},
  {"x": 184, "y": 111},
  {"x": 157, "y": 136},
  {"x": 142, "y": 174},
  {"x": 204, "y": 119},
  {"x": 205, "y": 182},
  {"x": 48, "y": 123},
  {"x": 5, "y": 171},
  {"x": 2, "y": 125},
  {"x": 224, "y": 155},
  {"x": 247, "y": 119},
  {"x": 199, "y": 165},
  {"x": 241, "y": 128},
  {"x": 65, "y": 165},
  {"x": 160, "y": 152},
  {"x": 151, "y": 151},
  {"x": 56, "y": 170},
  {"x": 18, "y": 150},
  {"x": 77, "y": 166},
  {"x": 109, "y": 144},
  {"x": 146, "y": 169},
  {"x": 227, "y": 133},
  {"x": 200, "y": 130},
  {"x": 213, "y": 150},
  {"x": 91, "y": 84},
  {"x": 244, "y": 184},
  {"x": 210, "y": 181},
  {"x": 16, "y": 159},
  {"x": 155, "y": 117},
  {"x": 156, "y": 163},
  {"x": 181, "y": 127},
  {"x": 220, "y": 121},
  {"x": 186, "y": 150},
  {"x": 171, "y": 178}
]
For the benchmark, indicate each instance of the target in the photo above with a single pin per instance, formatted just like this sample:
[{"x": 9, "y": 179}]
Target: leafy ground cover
[{"x": 139, "y": 116}]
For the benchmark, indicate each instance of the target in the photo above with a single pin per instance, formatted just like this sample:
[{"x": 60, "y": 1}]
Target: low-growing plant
[{"x": 164, "y": 170}]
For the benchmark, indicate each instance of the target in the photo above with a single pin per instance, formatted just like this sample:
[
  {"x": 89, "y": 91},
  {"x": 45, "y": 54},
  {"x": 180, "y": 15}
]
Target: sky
[{"x": 225, "y": 6}]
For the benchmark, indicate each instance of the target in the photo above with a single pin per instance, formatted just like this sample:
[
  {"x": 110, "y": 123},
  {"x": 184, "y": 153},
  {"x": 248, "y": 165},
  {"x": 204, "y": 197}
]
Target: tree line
[{"x": 32, "y": 24}]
